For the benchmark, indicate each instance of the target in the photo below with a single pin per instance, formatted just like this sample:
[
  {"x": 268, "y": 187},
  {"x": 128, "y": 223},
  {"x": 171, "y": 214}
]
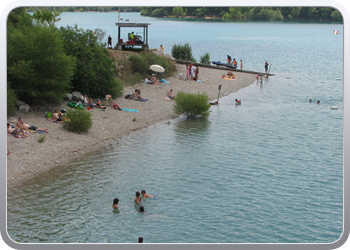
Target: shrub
[
  {"x": 78, "y": 120},
  {"x": 192, "y": 105},
  {"x": 205, "y": 58},
  {"x": 138, "y": 64},
  {"x": 157, "y": 13},
  {"x": 42, "y": 138},
  {"x": 183, "y": 52}
]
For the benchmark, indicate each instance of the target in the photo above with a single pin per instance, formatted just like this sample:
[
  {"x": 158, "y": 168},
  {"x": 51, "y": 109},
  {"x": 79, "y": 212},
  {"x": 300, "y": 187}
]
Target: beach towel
[
  {"x": 163, "y": 81},
  {"x": 16, "y": 136},
  {"x": 228, "y": 78},
  {"x": 131, "y": 110},
  {"x": 143, "y": 100}
]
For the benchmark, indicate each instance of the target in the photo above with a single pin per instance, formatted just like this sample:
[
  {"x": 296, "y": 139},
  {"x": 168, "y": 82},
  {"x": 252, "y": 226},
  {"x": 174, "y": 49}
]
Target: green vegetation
[
  {"x": 134, "y": 119},
  {"x": 183, "y": 52},
  {"x": 95, "y": 72},
  {"x": 192, "y": 105},
  {"x": 139, "y": 65},
  {"x": 77, "y": 120},
  {"x": 85, "y": 9},
  {"x": 248, "y": 13},
  {"x": 44, "y": 62},
  {"x": 205, "y": 58},
  {"x": 41, "y": 138}
]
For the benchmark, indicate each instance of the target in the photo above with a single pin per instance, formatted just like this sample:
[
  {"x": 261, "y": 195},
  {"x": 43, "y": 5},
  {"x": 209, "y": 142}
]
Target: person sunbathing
[
  {"x": 20, "y": 126},
  {"x": 98, "y": 105},
  {"x": 154, "y": 79},
  {"x": 139, "y": 95},
  {"x": 230, "y": 74},
  {"x": 57, "y": 116},
  {"x": 135, "y": 95},
  {"x": 170, "y": 94},
  {"x": 13, "y": 131}
]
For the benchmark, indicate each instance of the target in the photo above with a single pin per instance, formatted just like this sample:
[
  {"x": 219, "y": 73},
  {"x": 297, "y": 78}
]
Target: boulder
[
  {"x": 77, "y": 96},
  {"x": 24, "y": 108},
  {"x": 68, "y": 97},
  {"x": 19, "y": 103}
]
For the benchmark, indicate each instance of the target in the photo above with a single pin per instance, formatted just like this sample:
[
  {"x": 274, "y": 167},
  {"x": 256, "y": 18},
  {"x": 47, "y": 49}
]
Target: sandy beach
[{"x": 28, "y": 157}]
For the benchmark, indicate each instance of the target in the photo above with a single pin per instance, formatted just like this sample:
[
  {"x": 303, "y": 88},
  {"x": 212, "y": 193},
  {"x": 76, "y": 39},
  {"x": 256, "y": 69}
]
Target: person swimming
[
  {"x": 138, "y": 197},
  {"x": 238, "y": 101},
  {"x": 143, "y": 192},
  {"x": 142, "y": 209},
  {"x": 115, "y": 203}
]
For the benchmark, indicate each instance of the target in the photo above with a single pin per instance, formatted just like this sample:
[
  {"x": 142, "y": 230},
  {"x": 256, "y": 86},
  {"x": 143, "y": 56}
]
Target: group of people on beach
[
  {"x": 233, "y": 62},
  {"x": 23, "y": 129},
  {"x": 192, "y": 72}
]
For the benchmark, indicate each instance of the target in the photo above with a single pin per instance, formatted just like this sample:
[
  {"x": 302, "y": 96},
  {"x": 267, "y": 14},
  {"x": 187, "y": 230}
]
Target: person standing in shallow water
[
  {"x": 266, "y": 67},
  {"x": 115, "y": 203},
  {"x": 140, "y": 240}
]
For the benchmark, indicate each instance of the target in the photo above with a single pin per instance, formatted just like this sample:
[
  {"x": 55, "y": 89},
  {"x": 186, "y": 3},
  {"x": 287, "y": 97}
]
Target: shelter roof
[{"x": 132, "y": 24}]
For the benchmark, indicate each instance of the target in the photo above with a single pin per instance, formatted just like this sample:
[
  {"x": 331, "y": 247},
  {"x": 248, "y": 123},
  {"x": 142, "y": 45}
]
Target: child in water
[
  {"x": 143, "y": 192},
  {"x": 138, "y": 197}
]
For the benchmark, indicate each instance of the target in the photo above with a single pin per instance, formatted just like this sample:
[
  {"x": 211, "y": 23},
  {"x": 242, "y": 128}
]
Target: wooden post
[{"x": 219, "y": 93}]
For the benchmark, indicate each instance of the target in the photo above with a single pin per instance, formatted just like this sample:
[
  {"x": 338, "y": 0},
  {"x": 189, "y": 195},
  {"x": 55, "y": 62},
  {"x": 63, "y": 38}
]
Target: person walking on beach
[
  {"x": 241, "y": 64},
  {"x": 187, "y": 71},
  {"x": 266, "y": 67}
]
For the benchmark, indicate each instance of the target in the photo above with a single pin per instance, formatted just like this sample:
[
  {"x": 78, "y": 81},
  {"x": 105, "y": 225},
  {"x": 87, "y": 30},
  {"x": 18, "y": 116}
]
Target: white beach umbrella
[{"x": 157, "y": 68}]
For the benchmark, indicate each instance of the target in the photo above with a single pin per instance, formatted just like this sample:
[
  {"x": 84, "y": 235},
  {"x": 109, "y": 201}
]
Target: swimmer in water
[
  {"x": 143, "y": 192},
  {"x": 310, "y": 101},
  {"x": 142, "y": 209},
  {"x": 115, "y": 203},
  {"x": 238, "y": 101},
  {"x": 318, "y": 102},
  {"x": 138, "y": 197}
]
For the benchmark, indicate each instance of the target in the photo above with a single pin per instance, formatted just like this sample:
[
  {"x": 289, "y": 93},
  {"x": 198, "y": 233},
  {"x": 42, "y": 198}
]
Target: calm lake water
[{"x": 268, "y": 171}]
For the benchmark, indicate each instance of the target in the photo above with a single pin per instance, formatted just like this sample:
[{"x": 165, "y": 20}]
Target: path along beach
[{"x": 28, "y": 157}]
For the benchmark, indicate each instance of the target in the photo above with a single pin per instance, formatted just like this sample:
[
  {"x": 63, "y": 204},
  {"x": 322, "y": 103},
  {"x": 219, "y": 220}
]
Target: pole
[
  {"x": 219, "y": 94},
  {"x": 118, "y": 14}
]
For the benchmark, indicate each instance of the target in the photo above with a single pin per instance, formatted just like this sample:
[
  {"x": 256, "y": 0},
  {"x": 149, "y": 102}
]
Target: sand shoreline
[{"x": 29, "y": 158}]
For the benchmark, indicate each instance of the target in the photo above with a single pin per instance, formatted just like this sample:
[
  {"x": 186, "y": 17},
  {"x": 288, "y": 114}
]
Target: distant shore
[{"x": 28, "y": 157}]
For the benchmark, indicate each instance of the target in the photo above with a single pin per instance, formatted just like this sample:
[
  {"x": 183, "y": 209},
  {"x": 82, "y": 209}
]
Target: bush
[
  {"x": 192, "y": 105},
  {"x": 205, "y": 58},
  {"x": 157, "y": 13},
  {"x": 140, "y": 63},
  {"x": 42, "y": 138},
  {"x": 78, "y": 120},
  {"x": 183, "y": 52}
]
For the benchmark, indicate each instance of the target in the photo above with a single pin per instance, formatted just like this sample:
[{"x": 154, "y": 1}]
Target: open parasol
[{"x": 157, "y": 68}]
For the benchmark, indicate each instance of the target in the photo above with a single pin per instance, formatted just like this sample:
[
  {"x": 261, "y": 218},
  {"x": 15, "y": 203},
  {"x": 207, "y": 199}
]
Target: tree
[
  {"x": 192, "y": 105},
  {"x": 95, "y": 71},
  {"x": 38, "y": 68},
  {"x": 100, "y": 34},
  {"x": 296, "y": 12},
  {"x": 45, "y": 16}
]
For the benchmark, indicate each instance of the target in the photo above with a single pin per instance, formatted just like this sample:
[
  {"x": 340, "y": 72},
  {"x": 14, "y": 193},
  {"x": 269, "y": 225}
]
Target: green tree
[
  {"x": 95, "y": 71},
  {"x": 178, "y": 11},
  {"x": 183, "y": 52},
  {"x": 45, "y": 16},
  {"x": 192, "y": 105},
  {"x": 11, "y": 99},
  {"x": 205, "y": 58},
  {"x": 335, "y": 16},
  {"x": 296, "y": 12},
  {"x": 38, "y": 68},
  {"x": 100, "y": 34}
]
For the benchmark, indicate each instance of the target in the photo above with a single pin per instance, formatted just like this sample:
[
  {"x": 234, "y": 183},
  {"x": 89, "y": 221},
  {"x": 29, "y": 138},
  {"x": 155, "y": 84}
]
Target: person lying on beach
[
  {"x": 115, "y": 203},
  {"x": 138, "y": 197},
  {"x": 230, "y": 73},
  {"x": 170, "y": 94},
  {"x": 143, "y": 192},
  {"x": 13, "y": 131},
  {"x": 98, "y": 105}
]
